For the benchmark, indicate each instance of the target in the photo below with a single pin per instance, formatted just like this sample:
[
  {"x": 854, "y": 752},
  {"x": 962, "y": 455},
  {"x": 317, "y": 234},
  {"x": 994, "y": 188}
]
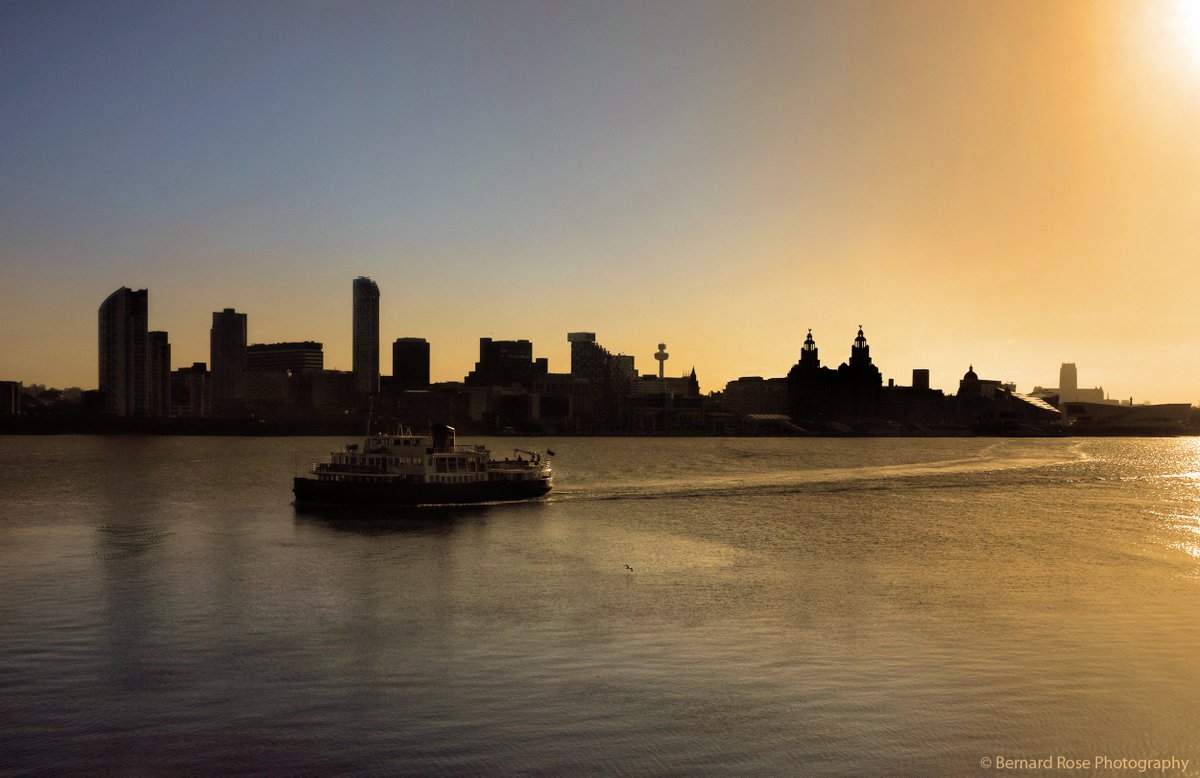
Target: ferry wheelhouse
[{"x": 408, "y": 469}]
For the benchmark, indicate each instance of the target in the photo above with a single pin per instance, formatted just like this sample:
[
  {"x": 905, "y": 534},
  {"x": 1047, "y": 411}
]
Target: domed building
[{"x": 993, "y": 406}]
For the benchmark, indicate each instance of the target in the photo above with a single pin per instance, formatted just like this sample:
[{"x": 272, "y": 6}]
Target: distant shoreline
[{"x": 353, "y": 427}]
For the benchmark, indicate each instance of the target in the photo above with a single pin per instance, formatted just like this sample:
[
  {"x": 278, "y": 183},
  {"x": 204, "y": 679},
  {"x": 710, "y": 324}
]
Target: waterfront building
[
  {"x": 917, "y": 405},
  {"x": 410, "y": 364},
  {"x": 123, "y": 343},
  {"x": 1068, "y": 382},
  {"x": 191, "y": 391},
  {"x": 227, "y": 354},
  {"x": 755, "y": 395},
  {"x": 681, "y": 386},
  {"x": 366, "y": 337},
  {"x": 266, "y": 390},
  {"x": 421, "y": 408},
  {"x": 994, "y": 406},
  {"x": 846, "y": 395},
  {"x": 335, "y": 390},
  {"x": 159, "y": 373},
  {"x": 1068, "y": 390},
  {"x": 561, "y": 397},
  {"x": 267, "y": 383},
  {"x": 1111, "y": 418},
  {"x": 284, "y": 357},
  {"x": 592, "y": 361},
  {"x": 506, "y": 363},
  {"x": 610, "y": 376},
  {"x": 10, "y": 398}
]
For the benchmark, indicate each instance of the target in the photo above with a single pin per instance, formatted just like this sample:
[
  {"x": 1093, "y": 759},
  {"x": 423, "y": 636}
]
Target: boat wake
[{"x": 945, "y": 474}]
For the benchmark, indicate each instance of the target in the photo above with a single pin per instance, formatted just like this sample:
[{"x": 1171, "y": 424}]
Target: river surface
[{"x": 796, "y": 606}]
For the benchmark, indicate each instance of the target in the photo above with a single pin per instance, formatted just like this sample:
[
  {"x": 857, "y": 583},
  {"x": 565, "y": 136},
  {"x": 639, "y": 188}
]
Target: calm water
[{"x": 796, "y": 606}]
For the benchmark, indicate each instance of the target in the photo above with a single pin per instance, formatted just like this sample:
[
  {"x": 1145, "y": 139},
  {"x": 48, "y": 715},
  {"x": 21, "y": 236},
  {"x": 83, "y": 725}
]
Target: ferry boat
[{"x": 408, "y": 469}]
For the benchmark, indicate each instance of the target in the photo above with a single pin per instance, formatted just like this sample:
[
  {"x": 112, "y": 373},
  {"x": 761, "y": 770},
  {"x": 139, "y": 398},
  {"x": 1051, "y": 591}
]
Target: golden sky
[{"x": 1005, "y": 184}]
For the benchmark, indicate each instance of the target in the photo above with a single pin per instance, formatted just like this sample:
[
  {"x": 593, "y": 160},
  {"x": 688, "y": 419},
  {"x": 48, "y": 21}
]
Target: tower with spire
[
  {"x": 860, "y": 352},
  {"x": 808, "y": 353},
  {"x": 861, "y": 382}
]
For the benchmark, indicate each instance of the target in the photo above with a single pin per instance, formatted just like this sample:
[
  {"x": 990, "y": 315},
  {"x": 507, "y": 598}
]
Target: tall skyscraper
[
  {"x": 124, "y": 368},
  {"x": 410, "y": 363},
  {"x": 366, "y": 336},
  {"x": 227, "y": 354},
  {"x": 159, "y": 373}
]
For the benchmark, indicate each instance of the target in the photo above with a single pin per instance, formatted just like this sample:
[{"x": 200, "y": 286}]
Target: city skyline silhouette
[
  {"x": 380, "y": 342},
  {"x": 365, "y": 326}
]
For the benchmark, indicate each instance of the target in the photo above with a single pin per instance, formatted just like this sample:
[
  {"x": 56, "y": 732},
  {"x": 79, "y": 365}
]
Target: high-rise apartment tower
[
  {"x": 410, "y": 363},
  {"x": 227, "y": 353},
  {"x": 158, "y": 369},
  {"x": 366, "y": 336},
  {"x": 124, "y": 367}
]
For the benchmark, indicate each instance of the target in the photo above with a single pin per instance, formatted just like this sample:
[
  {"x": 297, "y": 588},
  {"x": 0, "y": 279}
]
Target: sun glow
[{"x": 1180, "y": 22}]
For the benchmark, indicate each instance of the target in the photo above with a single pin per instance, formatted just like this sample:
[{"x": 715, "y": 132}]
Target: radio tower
[{"x": 661, "y": 356}]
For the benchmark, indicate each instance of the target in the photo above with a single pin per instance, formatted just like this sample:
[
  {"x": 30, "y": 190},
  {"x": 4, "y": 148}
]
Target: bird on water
[{"x": 630, "y": 569}]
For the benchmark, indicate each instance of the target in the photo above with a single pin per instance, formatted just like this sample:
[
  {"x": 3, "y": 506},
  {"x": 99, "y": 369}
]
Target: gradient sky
[{"x": 1005, "y": 184}]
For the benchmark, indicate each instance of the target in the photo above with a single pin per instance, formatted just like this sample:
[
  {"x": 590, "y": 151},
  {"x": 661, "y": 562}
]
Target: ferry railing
[
  {"x": 330, "y": 467},
  {"x": 470, "y": 449}
]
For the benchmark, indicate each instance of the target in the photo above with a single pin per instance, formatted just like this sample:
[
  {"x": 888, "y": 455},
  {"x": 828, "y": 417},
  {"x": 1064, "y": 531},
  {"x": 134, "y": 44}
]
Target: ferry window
[{"x": 441, "y": 465}]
